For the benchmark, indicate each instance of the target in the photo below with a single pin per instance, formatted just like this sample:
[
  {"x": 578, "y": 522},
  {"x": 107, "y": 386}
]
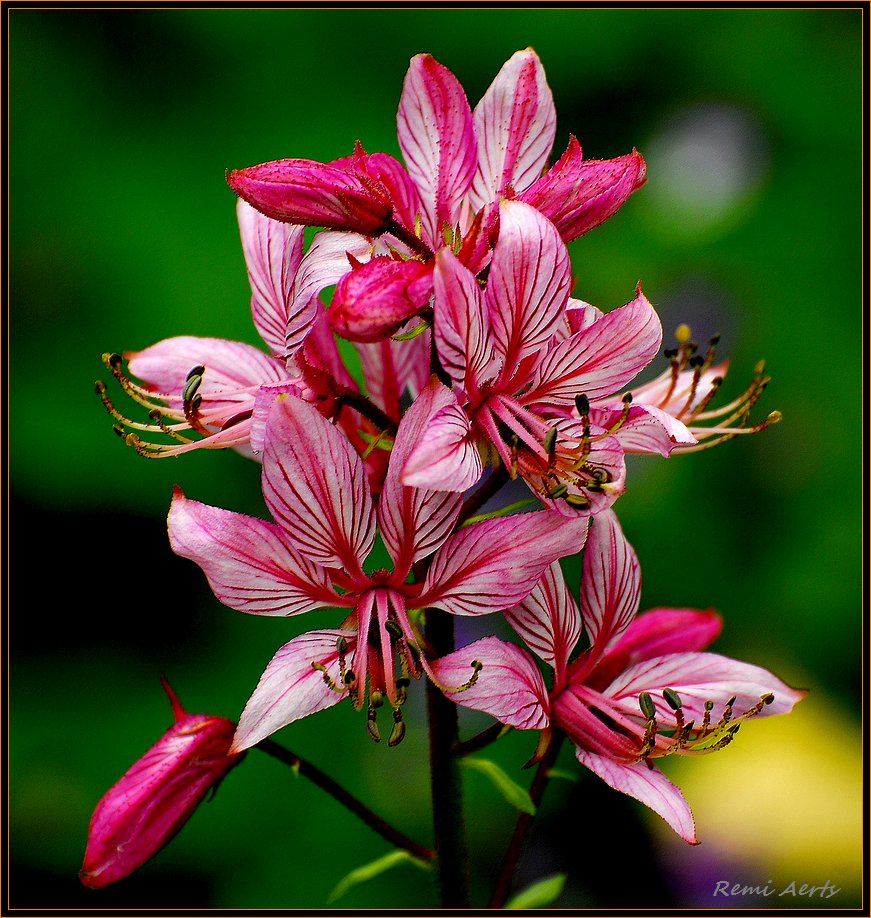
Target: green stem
[
  {"x": 346, "y": 798},
  {"x": 445, "y": 779},
  {"x": 515, "y": 846}
]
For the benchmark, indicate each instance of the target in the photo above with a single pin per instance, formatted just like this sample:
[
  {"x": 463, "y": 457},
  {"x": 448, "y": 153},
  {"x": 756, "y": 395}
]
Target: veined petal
[
  {"x": 650, "y": 786},
  {"x": 701, "y": 677},
  {"x": 414, "y": 521},
  {"x": 528, "y": 285},
  {"x": 273, "y": 252},
  {"x": 252, "y": 565},
  {"x": 315, "y": 486},
  {"x": 233, "y": 370},
  {"x": 462, "y": 326},
  {"x": 402, "y": 190},
  {"x": 515, "y": 125},
  {"x": 291, "y": 688},
  {"x": 437, "y": 139},
  {"x": 548, "y": 620},
  {"x": 446, "y": 458},
  {"x": 495, "y": 564},
  {"x": 263, "y": 402},
  {"x": 392, "y": 368},
  {"x": 645, "y": 430},
  {"x": 577, "y": 196},
  {"x": 508, "y": 685},
  {"x": 600, "y": 359},
  {"x": 610, "y": 583}
]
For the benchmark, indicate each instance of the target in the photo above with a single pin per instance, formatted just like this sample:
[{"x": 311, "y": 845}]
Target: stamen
[
  {"x": 578, "y": 501},
  {"x": 372, "y": 726},
  {"x": 397, "y": 734}
]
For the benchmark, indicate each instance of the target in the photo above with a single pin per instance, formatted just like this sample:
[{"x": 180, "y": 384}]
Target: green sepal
[{"x": 539, "y": 894}]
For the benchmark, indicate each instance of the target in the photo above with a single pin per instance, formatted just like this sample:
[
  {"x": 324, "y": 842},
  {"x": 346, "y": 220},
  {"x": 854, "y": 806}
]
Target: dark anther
[
  {"x": 397, "y": 734},
  {"x": 196, "y": 371},
  {"x": 627, "y": 398},
  {"x": 403, "y": 682},
  {"x": 582, "y": 403},
  {"x": 578, "y": 501},
  {"x": 550, "y": 441},
  {"x": 768, "y": 699},
  {"x": 714, "y": 340},
  {"x": 672, "y": 698},
  {"x": 114, "y": 361},
  {"x": 393, "y": 629},
  {"x": 696, "y": 360},
  {"x": 350, "y": 677},
  {"x": 100, "y": 387},
  {"x": 670, "y": 353},
  {"x": 645, "y": 702},
  {"x": 342, "y": 646}
]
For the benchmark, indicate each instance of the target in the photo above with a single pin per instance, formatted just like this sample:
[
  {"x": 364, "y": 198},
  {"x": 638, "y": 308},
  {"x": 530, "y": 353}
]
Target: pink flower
[
  {"x": 642, "y": 689},
  {"x": 312, "y": 556},
  {"x": 157, "y": 795},
  {"x": 519, "y": 357},
  {"x": 212, "y": 393},
  {"x": 458, "y": 164}
]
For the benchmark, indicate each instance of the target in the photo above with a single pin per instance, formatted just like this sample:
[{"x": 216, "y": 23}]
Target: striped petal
[
  {"x": 528, "y": 285},
  {"x": 414, "y": 521},
  {"x": 495, "y": 564},
  {"x": 650, "y": 786},
  {"x": 600, "y": 359},
  {"x": 291, "y": 688},
  {"x": 252, "y": 565},
  {"x": 515, "y": 125},
  {"x": 508, "y": 684},
  {"x": 315, "y": 486},
  {"x": 437, "y": 139}
]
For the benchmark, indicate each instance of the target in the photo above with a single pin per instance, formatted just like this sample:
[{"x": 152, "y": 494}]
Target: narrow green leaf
[
  {"x": 373, "y": 869},
  {"x": 564, "y": 775},
  {"x": 510, "y": 790},
  {"x": 539, "y": 894},
  {"x": 502, "y": 511},
  {"x": 418, "y": 329}
]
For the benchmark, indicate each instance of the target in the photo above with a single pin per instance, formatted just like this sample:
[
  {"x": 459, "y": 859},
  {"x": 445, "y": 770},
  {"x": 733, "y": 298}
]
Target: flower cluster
[{"x": 453, "y": 283}]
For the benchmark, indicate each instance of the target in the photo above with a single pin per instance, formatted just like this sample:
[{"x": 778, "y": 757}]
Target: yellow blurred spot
[
  {"x": 682, "y": 333},
  {"x": 785, "y": 797}
]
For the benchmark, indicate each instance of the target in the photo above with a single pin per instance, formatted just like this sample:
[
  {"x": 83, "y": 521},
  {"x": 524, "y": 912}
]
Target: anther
[
  {"x": 672, "y": 698},
  {"x": 759, "y": 369},
  {"x": 627, "y": 398},
  {"x": 113, "y": 360},
  {"x": 397, "y": 734},
  {"x": 350, "y": 677},
  {"x": 682, "y": 333},
  {"x": 196, "y": 371},
  {"x": 371, "y": 726},
  {"x": 559, "y": 491},
  {"x": 578, "y": 501},
  {"x": 393, "y": 629},
  {"x": 582, "y": 403},
  {"x": 342, "y": 646},
  {"x": 550, "y": 442},
  {"x": 648, "y": 708},
  {"x": 100, "y": 387},
  {"x": 376, "y": 698}
]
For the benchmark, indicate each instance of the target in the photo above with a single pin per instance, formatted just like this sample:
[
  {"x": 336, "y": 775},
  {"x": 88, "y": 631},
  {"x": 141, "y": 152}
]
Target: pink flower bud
[
  {"x": 373, "y": 300},
  {"x": 157, "y": 795},
  {"x": 335, "y": 195},
  {"x": 577, "y": 196}
]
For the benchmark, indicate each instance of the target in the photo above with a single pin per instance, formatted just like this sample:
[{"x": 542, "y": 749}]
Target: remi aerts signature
[{"x": 727, "y": 888}]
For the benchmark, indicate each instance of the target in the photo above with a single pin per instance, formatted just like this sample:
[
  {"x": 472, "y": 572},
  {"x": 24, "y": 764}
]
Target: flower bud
[
  {"x": 157, "y": 795},
  {"x": 577, "y": 196},
  {"x": 332, "y": 195},
  {"x": 374, "y": 300}
]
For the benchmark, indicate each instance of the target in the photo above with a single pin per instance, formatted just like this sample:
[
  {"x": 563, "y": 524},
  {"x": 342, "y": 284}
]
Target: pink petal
[
  {"x": 156, "y": 796},
  {"x": 314, "y": 194},
  {"x": 682, "y": 396},
  {"x": 291, "y": 688},
  {"x": 373, "y": 300},
  {"x": 462, "y": 326},
  {"x": 650, "y": 786},
  {"x": 437, "y": 139},
  {"x": 664, "y": 631},
  {"x": 495, "y": 564},
  {"x": 600, "y": 359},
  {"x": 263, "y": 402},
  {"x": 401, "y": 189},
  {"x": 577, "y": 196},
  {"x": 322, "y": 352},
  {"x": 645, "y": 430},
  {"x": 447, "y": 457},
  {"x": 273, "y": 252},
  {"x": 508, "y": 685},
  {"x": 528, "y": 285},
  {"x": 515, "y": 123},
  {"x": 414, "y": 521},
  {"x": 548, "y": 620},
  {"x": 233, "y": 370},
  {"x": 610, "y": 584},
  {"x": 392, "y": 368},
  {"x": 697, "y": 678},
  {"x": 252, "y": 566},
  {"x": 315, "y": 486}
]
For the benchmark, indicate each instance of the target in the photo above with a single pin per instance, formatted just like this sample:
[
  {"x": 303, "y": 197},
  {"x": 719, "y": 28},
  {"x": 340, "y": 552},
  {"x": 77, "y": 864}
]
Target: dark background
[{"x": 123, "y": 232}]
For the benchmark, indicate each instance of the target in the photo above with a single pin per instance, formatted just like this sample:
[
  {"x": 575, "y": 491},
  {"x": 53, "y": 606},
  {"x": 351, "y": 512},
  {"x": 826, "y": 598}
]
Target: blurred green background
[{"x": 123, "y": 232}]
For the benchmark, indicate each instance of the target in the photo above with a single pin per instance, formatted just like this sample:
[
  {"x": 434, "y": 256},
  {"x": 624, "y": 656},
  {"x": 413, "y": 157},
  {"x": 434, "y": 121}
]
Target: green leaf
[
  {"x": 539, "y": 894},
  {"x": 418, "y": 329},
  {"x": 564, "y": 775},
  {"x": 502, "y": 511},
  {"x": 516, "y": 795},
  {"x": 373, "y": 869}
]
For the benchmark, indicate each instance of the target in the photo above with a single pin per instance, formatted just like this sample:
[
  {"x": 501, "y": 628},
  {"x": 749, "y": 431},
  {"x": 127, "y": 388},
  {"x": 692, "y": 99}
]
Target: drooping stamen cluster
[
  {"x": 690, "y": 384},
  {"x": 225, "y": 421},
  {"x": 687, "y": 738}
]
